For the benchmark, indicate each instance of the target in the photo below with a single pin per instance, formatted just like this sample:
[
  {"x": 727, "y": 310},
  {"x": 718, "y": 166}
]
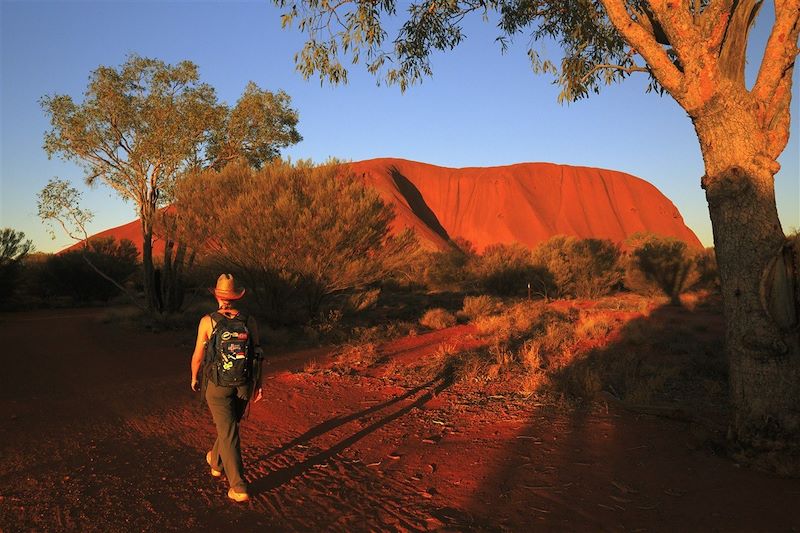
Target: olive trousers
[{"x": 227, "y": 405}]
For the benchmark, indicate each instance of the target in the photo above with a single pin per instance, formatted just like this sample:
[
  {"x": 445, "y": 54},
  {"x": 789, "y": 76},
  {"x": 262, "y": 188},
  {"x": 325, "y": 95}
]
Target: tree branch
[
  {"x": 607, "y": 66},
  {"x": 108, "y": 278},
  {"x": 661, "y": 66},
  {"x": 678, "y": 25},
  {"x": 713, "y": 23},
  {"x": 781, "y": 50},
  {"x": 734, "y": 44},
  {"x": 715, "y": 11},
  {"x": 777, "y": 117}
]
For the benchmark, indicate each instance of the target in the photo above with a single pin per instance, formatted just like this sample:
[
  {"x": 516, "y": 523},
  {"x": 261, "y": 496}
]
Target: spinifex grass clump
[
  {"x": 662, "y": 355},
  {"x": 438, "y": 318}
]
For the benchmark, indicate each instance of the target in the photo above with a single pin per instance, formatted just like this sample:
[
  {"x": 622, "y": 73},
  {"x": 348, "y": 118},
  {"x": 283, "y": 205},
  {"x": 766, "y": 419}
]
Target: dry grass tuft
[
  {"x": 480, "y": 306},
  {"x": 438, "y": 318},
  {"x": 351, "y": 358},
  {"x": 593, "y": 325}
]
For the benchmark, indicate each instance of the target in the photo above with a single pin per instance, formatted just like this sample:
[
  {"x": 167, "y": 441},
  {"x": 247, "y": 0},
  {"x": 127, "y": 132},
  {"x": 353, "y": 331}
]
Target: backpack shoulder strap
[{"x": 216, "y": 316}]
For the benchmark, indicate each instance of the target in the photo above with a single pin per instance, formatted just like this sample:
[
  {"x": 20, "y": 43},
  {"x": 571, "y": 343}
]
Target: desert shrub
[
  {"x": 446, "y": 270},
  {"x": 479, "y": 306},
  {"x": 297, "y": 234},
  {"x": 69, "y": 275},
  {"x": 666, "y": 262},
  {"x": 438, "y": 318},
  {"x": 13, "y": 250},
  {"x": 635, "y": 280},
  {"x": 581, "y": 268},
  {"x": 496, "y": 326},
  {"x": 516, "y": 323},
  {"x": 354, "y": 357},
  {"x": 528, "y": 342},
  {"x": 553, "y": 342},
  {"x": 507, "y": 270}
]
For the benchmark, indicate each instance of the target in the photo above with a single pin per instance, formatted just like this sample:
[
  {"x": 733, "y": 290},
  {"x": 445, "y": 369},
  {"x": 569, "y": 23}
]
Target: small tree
[
  {"x": 13, "y": 250},
  {"x": 447, "y": 269},
  {"x": 140, "y": 127},
  {"x": 581, "y": 268},
  {"x": 60, "y": 203},
  {"x": 508, "y": 270},
  {"x": 668, "y": 263},
  {"x": 299, "y": 232}
]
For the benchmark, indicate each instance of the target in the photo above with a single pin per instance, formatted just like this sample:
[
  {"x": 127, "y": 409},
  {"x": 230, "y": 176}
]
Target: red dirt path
[{"x": 101, "y": 433}]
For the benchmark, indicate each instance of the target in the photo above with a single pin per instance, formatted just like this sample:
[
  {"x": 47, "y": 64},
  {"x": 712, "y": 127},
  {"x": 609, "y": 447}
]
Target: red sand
[
  {"x": 101, "y": 433},
  {"x": 525, "y": 203}
]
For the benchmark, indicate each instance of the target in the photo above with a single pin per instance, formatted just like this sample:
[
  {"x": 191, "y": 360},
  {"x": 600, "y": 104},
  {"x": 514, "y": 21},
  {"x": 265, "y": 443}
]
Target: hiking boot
[
  {"x": 214, "y": 471},
  {"x": 238, "y": 496}
]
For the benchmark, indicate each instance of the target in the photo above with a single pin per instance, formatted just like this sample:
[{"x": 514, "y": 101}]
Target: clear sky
[{"x": 481, "y": 108}]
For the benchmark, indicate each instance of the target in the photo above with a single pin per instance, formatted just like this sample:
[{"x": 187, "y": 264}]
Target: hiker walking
[{"x": 228, "y": 350}]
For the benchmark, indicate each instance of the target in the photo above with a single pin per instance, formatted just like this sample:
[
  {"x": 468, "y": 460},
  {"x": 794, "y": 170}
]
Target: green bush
[
  {"x": 447, "y": 270},
  {"x": 665, "y": 262},
  {"x": 508, "y": 270},
  {"x": 581, "y": 268},
  {"x": 69, "y": 275},
  {"x": 296, "y": 234},
  {"x": 479, "y": 306}
]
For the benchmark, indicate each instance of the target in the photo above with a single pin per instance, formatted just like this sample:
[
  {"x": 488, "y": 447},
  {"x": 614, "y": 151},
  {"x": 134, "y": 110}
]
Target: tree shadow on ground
[{"x": 646, "y": 452}]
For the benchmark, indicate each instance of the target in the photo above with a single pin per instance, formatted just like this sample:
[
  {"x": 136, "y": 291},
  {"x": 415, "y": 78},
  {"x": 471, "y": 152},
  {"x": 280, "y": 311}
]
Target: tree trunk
[
  {"x": 176, "y": 290},
  {"x": 763, "y": 351},
  {"x": 148, "y": 281}
]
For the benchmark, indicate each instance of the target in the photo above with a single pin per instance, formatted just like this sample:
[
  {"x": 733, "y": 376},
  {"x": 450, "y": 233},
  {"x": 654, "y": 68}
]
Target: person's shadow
[{"x": 278, "y": 477}]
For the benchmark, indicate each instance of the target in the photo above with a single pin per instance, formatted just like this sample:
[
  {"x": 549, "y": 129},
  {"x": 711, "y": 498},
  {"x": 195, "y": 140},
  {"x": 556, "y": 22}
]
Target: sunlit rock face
[{"x": 525, "y": 203}]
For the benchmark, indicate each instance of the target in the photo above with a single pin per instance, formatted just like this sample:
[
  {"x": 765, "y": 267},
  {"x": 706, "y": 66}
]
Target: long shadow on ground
[
  {"x": 279, "y": 477},
  {"x": 648, "y": 462}
]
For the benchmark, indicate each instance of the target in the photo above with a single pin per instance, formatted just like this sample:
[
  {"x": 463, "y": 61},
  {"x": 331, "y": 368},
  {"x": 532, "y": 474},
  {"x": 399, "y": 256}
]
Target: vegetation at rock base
[{"x": 297, "y": 234}]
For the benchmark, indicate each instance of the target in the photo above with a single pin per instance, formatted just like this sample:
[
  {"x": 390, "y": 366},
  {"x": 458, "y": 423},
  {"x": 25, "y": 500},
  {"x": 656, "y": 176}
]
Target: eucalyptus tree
[
  {"x": 692, "y": 50},
  {"x": 143, "y": 125}
]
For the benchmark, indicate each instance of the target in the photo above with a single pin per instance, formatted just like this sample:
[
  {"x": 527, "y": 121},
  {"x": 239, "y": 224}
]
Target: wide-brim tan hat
[{"x": 226, "y": 288}]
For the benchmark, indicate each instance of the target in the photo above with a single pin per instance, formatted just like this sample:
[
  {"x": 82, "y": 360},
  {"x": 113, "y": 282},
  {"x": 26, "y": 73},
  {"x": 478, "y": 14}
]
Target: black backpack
[{"x": 229, "y": 353}]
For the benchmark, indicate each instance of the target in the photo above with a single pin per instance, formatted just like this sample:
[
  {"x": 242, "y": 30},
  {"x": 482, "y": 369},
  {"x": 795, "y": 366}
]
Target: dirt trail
[{"x": 100, "y": 432}]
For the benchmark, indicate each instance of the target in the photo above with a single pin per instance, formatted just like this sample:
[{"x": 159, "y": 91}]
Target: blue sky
[{"x": 481, "y": 108}]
